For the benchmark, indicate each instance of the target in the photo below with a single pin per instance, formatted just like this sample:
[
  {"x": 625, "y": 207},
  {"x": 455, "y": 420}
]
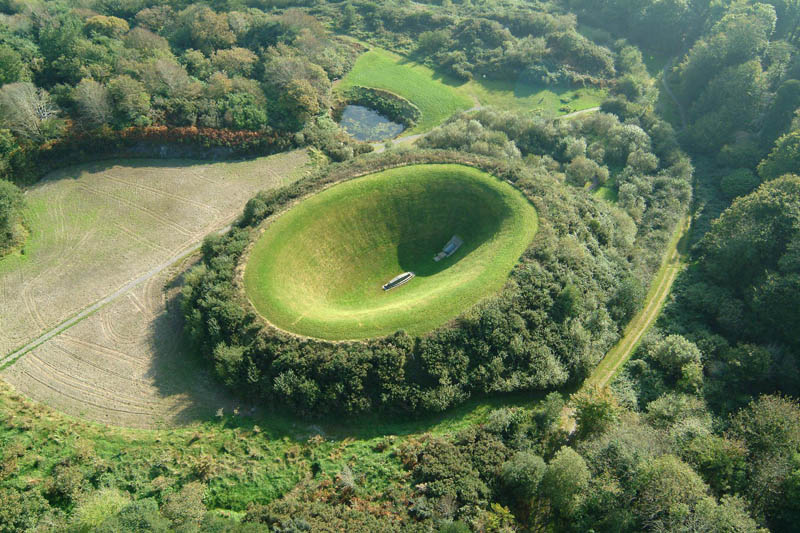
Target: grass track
[
  {"x": 318, "y": 269},
  {"x": 673, "y": 263}
]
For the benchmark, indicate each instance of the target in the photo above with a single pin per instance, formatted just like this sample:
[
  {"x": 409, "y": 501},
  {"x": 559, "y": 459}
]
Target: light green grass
[
  {"x": 318, "y": 269},
  {"x": 439, "y": 96},
  {"x": 608, "y": 191},
  {"x": 416, "y": 83},
  {"x": 518, "y": 96}
]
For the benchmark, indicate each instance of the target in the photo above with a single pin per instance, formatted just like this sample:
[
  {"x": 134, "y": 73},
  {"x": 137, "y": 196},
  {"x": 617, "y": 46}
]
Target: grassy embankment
[{"x": 318, "y": 269}]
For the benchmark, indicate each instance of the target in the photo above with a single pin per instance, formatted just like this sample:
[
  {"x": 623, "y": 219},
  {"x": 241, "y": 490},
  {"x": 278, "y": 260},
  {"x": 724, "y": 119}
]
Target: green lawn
[
  {"x": 518, "y": 96},
  {"x": 318, "y": 269},
  {"x": 418, "y": 84},
  {"x": 439, "y": 96}
]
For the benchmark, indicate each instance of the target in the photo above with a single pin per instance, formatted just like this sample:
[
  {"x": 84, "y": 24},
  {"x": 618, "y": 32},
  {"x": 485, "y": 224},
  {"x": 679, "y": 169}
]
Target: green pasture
[
  {"x": 318, "y": 269},
  {"x": 439, "y": 96},
  {"x": 514, "y": 95},
  {"x": 416, "y": 83}
]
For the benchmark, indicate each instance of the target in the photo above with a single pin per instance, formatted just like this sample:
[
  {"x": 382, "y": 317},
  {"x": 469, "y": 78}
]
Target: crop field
[
  {"x": 318, "y": 269},
  {"x": 439, "y": 96},
  {"x": 94, "y": 230}
]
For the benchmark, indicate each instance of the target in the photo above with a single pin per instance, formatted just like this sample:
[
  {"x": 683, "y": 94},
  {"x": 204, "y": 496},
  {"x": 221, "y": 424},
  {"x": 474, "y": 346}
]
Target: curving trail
[{"x": 674, "y": 261}]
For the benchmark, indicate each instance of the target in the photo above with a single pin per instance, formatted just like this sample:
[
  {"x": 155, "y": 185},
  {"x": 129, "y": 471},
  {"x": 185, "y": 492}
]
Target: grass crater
[{"x": 318, "y": 269}]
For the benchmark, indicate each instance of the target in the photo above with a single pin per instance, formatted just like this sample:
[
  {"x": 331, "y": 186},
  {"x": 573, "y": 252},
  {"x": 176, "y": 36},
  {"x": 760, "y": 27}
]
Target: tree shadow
[
  {"x": 179, "y": 370},
  {"x": 96, "y": 166}
]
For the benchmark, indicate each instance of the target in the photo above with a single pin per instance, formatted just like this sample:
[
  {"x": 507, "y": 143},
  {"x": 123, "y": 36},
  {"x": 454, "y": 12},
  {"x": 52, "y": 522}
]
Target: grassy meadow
[
  {"x": 418, "y": 84},
  {"x": 318, "y": 269},
  {"x": 439, "y": 96}
]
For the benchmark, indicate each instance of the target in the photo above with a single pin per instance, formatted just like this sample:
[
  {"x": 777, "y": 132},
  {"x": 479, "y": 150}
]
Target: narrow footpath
[{"x": 673, "y": 263}]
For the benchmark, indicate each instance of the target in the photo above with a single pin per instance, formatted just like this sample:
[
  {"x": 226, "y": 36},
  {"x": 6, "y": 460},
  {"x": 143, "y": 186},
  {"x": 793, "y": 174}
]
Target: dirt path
[
  {"x": 125, "y": 289},
  {"x": 672, "y": 265}
]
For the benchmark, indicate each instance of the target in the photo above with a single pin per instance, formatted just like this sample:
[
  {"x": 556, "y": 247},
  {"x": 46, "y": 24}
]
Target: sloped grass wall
[{"x": 549, "y": 325}]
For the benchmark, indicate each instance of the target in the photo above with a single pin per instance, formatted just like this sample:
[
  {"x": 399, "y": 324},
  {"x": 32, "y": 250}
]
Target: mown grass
[
  {"x": 439, "y": 96},
  {"x": 318, "y": 269},
  {"x": 514, "y": 95},
  {"x": 608, "y": 191},
  {"x": 416, "y": 83}
]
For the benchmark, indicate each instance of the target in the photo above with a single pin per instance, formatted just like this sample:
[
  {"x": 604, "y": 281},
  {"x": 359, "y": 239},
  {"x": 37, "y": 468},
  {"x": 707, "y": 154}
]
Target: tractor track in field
[{"x": 126, "y": 288}]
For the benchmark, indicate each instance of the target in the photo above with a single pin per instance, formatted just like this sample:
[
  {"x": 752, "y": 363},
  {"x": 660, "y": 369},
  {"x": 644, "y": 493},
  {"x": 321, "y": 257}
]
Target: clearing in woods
[
  {"x": 94, "y": 229},
  {"x": 438, "y": 96},
  {"x": 416, "y": 83},
  {"x": 318, "y": 269}
]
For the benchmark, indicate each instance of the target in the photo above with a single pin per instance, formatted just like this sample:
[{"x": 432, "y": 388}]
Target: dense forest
[{"x": 701, "y": 429}]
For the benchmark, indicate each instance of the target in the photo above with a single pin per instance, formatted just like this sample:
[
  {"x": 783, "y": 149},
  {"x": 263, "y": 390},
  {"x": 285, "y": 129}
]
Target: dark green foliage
[
  {"x": 750, "y": 254},
  {"x": 738, "y": 183},
  {"x": 783, "y": 159},
  {"x": 564, "y": 482},
  {"x": 521, "y": 476},
  {"x": 11, "y": 66},
  {"x": 779, "y": 116},
  {"x": 596, "y": 410},
  {"x": 441, "y": 370},
  {"x": 20, "y": 510},
  {"x": 138, "y": 517},
  {"x": 447, "y": 471},
  {"x": 568, "y": 303},
  {"x": 11, "y": 203},
  {"x": 770, "y": 429},
  {"x": 627, "y": 300}
]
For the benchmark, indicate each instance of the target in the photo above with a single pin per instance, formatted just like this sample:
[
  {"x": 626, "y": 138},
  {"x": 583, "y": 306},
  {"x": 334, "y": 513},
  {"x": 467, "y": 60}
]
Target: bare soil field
[{"x": 93, "y": 230}]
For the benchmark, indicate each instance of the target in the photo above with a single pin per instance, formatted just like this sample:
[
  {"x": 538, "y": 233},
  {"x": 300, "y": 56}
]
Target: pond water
[{"x": 366, "y": 124}]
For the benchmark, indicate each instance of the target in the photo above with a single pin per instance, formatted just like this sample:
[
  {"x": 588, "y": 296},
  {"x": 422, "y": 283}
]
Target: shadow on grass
[
  {"x": 177, "y": 370},
  {"x": 74, "y": 172},
  {"x": 180, "y": 370}
]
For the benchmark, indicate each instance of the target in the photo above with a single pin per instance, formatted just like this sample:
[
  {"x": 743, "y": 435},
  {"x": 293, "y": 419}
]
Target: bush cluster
[{"x": 550, "y": 324}]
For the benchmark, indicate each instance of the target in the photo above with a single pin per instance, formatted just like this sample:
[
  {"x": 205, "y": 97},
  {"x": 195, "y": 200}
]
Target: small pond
[{"x": 366, "y": 124}]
